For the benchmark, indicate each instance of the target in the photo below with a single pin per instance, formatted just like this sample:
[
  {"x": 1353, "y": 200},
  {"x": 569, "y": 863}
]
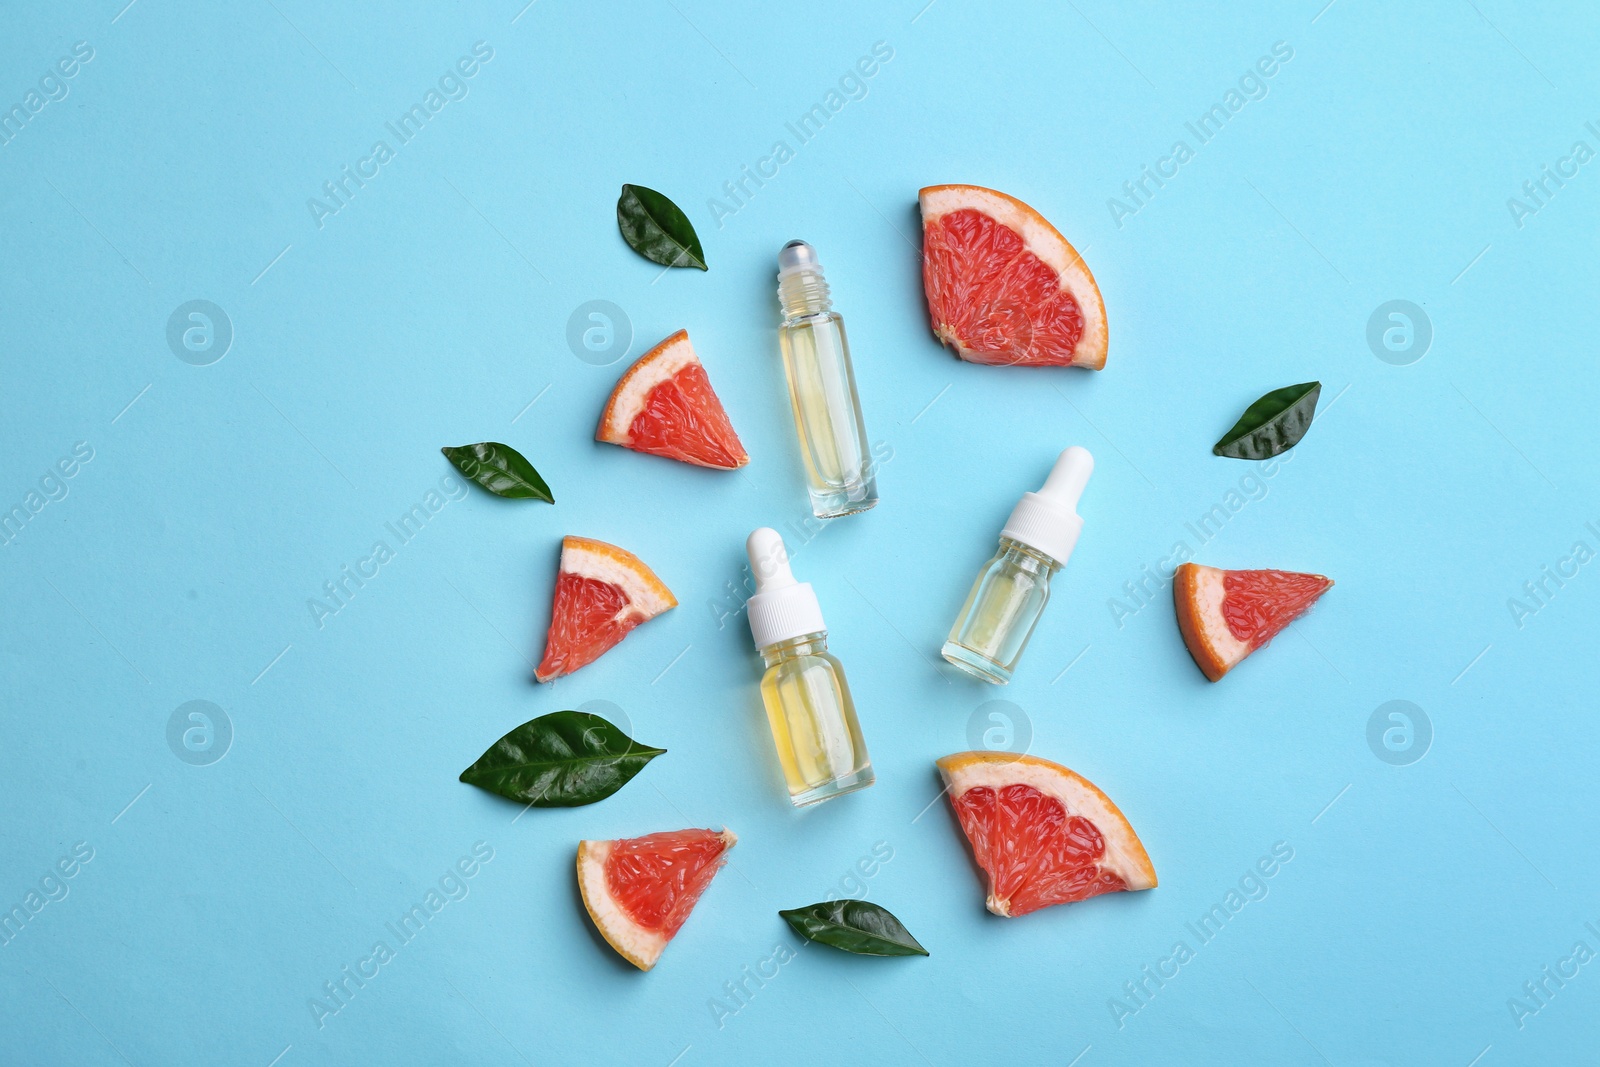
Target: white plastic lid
[
  {"x": 1048, "y": 520},
  {"x": 782, "y": 608}
]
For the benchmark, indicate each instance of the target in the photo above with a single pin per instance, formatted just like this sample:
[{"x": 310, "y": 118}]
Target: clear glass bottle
[
  {"x": 822, "y": 389},
  {"x": 998, "y": 617},
  {"x": 1012, "y": 589},
  {"x": 809, "y": 709}
]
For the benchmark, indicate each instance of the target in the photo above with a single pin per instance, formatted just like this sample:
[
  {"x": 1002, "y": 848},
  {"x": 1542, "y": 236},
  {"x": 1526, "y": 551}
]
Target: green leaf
[
  {"x": 561, "y": 760},
  {"x": 655, "y": 228},
  {"x": 1271, "y": 425},
  {"x": 500, "y": 469},
  {"x": 858, "y": 926}
]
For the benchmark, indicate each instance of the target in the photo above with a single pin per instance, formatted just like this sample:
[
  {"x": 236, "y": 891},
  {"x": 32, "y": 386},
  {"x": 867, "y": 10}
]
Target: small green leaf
[
  {"x": 858, "y": 926},
  {"x": 561, "y": 760},
  {"x": 657, "y": 229},
  {"x": 500, "y": 469},
  {"x": 1271, "y": 425}
]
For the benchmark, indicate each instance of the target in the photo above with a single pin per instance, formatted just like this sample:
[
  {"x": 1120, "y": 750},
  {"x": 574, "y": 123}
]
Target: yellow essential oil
[
  {"x": 822, "y": 389},
  {"x": 1012, "y": 589},
  {"x": 998, "y": 618},
  {"x": 809, "y": 709},
  {"x": 813, "y": 720}
]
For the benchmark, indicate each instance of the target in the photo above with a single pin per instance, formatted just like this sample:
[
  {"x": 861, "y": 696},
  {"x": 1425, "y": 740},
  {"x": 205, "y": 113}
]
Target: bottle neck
[
  {"x": 1026, "y": 557},
  {"x": 802, "y": 293},
  {"x": 812, "y": 644}
]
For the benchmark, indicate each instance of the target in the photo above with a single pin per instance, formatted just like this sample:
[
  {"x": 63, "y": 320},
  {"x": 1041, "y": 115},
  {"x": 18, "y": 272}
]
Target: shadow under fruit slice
[
  {"x": 639, "y": 890},
  {"x": 1003, "y": 286},
  {"x": 665, "y": 405},
  {"x": 1040, "y": 833},
  {"x": 1226, "y": 615},
  {"x": 602, "y": 592}
]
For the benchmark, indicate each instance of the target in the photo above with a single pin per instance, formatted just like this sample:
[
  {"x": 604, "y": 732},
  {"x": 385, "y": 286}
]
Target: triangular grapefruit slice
[
  {"x": 665, "y": 405},
  {"x": 1040, "y": 833},
  {"x": 1226, "y": 615},
  {"x": 602, "y": 592},
  {"x": 1003, "y": 286},
  {"x": 639, "y": 890}
]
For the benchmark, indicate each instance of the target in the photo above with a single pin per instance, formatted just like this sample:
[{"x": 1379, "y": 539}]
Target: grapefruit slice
[
  {"x": 1041, "y": 834},
  {"x": 639, "y": 890},
  {"x": 665, "y": 405},
  {"x": 1004, "y": 287},
  {"x": 1226, "y": 615},
  {"x": 602, "y": 592}
]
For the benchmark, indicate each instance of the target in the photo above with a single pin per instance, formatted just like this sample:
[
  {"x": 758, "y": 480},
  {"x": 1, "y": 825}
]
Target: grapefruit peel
[{"x": 1211, "y": 603}]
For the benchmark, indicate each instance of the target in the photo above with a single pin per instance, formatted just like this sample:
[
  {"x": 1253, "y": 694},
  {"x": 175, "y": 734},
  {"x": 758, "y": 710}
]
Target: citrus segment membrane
[
  {"x": 657, "y": 879},
  {"x": 588, "y": 617},
  {"x": 682, "y": 419},
  {"x": 1259, "y": 604},
  {"x": 1032, "y": 851}
]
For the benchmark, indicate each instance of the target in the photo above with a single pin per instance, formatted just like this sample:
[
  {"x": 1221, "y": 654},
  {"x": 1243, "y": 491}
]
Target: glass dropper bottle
[
  {"x": 809, "y": 709},
  {"x": 1012, "y": 589}
]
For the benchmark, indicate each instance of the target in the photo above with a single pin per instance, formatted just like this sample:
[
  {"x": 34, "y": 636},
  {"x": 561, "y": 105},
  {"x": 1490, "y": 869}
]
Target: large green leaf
[
  {"x": 500, "y": 469},
  {"x": 657, "y": 229},
  {"x": 1271, "y": 425},
  {"x": 561, "y": 760},
  {"x": 858, "y": 926}
]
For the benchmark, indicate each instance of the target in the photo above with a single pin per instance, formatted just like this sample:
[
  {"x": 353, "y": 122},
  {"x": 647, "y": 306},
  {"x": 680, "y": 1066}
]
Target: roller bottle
[{"x": 822, "y": 389}]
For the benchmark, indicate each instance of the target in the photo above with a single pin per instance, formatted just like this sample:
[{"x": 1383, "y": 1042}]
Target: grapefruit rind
[
  {"x": 1201, "y": 599},
  {"x": 1044, "y": 241},
  {"x": 1197, "y": 594},
  {"x": 1124, "y": 852},
  {"x": 633, "y": 389},
  {"x": 648, "y": 596},
  {"x": 645, "y": 596},
  {"x": 633, "y": 943},
  {"x": 638, "y": 946}
]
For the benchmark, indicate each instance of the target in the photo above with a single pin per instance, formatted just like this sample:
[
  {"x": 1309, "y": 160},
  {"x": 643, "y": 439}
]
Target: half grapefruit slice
[
  {"x": 1226, "y": 615},
  {"x": 602, "y": 592},
  {"x": 665, "y": 405},
  {"x": 639, "y": 890},
  {"x": 1004, "y": 287},
  {"x": 1040, "y": 833}
]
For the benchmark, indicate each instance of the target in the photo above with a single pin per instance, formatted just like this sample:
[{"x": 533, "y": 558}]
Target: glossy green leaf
[
  {"x": 500, "y": 469},
  {"x": 1271, "y": 425},
  {"x": 858, "y": 926},
  {"x": 561, "y": 760},
  {"x": 657, "y": 229}
]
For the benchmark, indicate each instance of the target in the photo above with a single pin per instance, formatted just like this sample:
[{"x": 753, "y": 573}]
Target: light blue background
[{"x": 433, "y": 310}]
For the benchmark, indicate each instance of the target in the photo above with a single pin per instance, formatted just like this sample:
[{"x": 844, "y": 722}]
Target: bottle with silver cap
[
  {"x": 808, "y": 703},
  {"x": 1013, "y": 587},
  {"x": 822, "y": 389}
]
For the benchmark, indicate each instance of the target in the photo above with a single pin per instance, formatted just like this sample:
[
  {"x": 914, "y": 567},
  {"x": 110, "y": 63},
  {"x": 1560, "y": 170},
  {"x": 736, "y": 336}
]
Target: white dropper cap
[
  {"x": 782, "y": 608},
  {"x": 1048, "y": 520}
]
